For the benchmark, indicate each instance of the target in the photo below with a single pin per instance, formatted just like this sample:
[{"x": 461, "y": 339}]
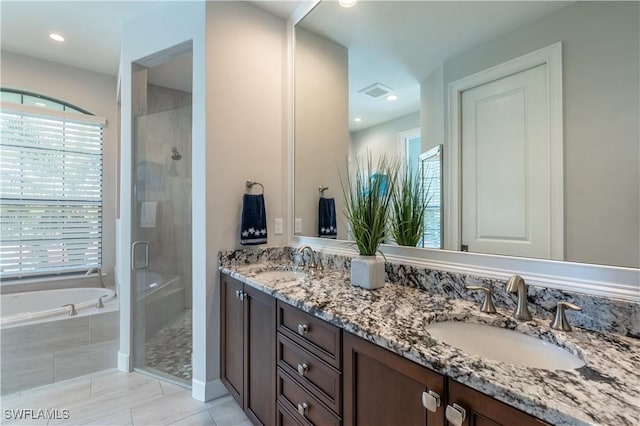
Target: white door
[{"x": 505, "y": 166}]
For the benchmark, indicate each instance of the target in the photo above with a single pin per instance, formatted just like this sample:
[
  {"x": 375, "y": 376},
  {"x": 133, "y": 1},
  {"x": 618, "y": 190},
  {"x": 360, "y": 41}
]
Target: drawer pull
[
  {"x": 302, "y": 368},
  {"x": 303, "y": 408},
  {"x": 303, "y": 329},
  {"x": 430, "y": 401},
  {"x": 456, "y": 414}
]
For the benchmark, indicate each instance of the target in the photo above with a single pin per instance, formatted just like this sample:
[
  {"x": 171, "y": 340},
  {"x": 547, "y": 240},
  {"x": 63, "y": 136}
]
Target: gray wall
[
  {"x": 601, "y": 109},
  {"x": 322, "y": 128}
]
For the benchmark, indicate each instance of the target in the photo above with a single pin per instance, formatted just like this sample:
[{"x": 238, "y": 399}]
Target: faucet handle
[
  {"x": 560, "y": 321},
  {"x": 487, "y": 304}
]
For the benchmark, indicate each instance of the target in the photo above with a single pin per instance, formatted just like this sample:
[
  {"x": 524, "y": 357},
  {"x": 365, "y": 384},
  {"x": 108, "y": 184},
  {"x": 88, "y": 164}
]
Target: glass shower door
[{"x": 161, "y": 231}]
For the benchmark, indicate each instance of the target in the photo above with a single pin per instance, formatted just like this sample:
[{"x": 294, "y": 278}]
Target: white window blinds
[{"x": 50, "y": 192}]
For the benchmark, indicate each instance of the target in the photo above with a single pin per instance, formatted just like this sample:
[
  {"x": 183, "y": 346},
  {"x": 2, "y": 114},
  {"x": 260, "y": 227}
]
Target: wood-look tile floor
[{"x": 114, "y": 398}]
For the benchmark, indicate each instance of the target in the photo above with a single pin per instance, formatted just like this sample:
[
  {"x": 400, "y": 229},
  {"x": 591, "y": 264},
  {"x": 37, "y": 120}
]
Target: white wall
[
  {"x": 382, "y": 138},
  {"x": 601, "y": 65},
  {"x": 431, "y": 109},
  {"x": 322, "y": 114},
  {"x": 92, "y": 91}
]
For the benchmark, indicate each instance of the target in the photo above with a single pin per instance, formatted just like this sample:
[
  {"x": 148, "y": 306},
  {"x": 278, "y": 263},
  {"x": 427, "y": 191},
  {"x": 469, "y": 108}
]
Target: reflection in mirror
[
  {"x": 430, "y": 168},
  {"x": 348, "y": 62}
]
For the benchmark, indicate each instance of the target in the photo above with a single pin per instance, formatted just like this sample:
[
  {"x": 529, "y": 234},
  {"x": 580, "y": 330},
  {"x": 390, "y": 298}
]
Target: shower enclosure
[{"x": 161, "y": 233}]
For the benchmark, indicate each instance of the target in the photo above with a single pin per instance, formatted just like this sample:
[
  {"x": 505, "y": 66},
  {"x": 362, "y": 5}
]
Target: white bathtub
[{"x": 19, "y": 307}]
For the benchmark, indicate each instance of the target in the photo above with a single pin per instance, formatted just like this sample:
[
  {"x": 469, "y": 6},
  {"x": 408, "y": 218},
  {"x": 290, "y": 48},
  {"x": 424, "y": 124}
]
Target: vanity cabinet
[
  {"x": 382, "y": 388},
  {"x": 309, "y": 369},
  {"x": 247, "y": 363},
  {"x": 482, "y": 410},
  {"x": 287, "y": 367}
]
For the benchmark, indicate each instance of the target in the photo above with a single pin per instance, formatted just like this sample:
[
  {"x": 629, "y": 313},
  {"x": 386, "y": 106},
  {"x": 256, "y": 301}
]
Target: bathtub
[
  {"x": 21, "y": 307},
  {"x": 43, "y": 344}
]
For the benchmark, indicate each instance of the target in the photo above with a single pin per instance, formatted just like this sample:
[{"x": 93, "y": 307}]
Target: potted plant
[
  {"x": 368, "y": 192},
  {"x": 408, "y": 208}
]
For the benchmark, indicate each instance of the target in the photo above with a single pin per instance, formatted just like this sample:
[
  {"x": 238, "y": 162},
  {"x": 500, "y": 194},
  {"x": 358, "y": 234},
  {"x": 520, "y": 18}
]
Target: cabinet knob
[
  {"x": 238, "y": 294},
  {"x": 303, "y": 408},
  {"x": 302, "y": 368},
  {"x": 455, "y": 414},
  {"x": 303, "y": 329},
  {"x": 243, "y": 296},
  {"x": 430, "y": 401}
]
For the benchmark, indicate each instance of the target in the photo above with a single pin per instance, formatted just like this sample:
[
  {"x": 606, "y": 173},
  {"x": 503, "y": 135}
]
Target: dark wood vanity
[{"x": 287, "y": 367}]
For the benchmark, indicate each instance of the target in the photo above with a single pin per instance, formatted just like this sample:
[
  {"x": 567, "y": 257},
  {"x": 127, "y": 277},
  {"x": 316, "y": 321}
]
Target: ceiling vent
[{"x": 376, "y": 90}]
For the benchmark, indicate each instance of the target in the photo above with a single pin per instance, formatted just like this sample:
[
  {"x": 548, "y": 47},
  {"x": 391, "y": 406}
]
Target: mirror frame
[{"x": 600, "y": 280}]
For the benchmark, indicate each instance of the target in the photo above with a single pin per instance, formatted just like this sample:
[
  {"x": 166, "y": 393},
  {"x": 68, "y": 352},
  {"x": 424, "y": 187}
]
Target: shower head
[{"x": 175, "y": 155}]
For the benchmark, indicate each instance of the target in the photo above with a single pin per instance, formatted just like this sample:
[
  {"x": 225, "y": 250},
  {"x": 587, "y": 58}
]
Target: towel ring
[
  {"x": 249, "y": 184},
  {"x": 321, "y": 190}
]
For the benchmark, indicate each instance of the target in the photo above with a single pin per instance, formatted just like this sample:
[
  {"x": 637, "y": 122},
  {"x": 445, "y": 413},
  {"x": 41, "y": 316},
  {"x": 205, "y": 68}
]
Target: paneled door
[{"x": 505, "y": 166}]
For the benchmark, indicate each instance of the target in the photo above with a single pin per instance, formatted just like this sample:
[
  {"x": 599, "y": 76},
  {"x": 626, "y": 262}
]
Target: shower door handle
[{"x": 133, "y": 255}]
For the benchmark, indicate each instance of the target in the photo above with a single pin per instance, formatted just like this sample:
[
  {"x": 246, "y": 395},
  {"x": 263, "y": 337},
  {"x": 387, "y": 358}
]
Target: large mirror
[{"x": 403, "y": 78}]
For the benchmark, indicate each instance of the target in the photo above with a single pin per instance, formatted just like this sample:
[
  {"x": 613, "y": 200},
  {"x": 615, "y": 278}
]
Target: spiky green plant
[
  {"x": 368, "y": 191},
  {"x": 408, "y": 207}
]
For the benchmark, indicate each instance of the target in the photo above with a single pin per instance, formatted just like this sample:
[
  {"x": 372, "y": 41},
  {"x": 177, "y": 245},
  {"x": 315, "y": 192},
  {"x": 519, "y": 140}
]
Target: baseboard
[
  {"x": 124, "y": 362},
  {"x": 212, "y": 389}
]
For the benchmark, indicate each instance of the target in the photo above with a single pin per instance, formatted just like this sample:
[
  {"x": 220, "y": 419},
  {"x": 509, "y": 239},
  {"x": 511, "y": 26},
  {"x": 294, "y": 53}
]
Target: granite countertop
[{"x": 606, "y": 391}]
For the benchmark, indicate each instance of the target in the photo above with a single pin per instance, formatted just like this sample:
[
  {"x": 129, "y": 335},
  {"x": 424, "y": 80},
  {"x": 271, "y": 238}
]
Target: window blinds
[{"x": 50, "y": 193}]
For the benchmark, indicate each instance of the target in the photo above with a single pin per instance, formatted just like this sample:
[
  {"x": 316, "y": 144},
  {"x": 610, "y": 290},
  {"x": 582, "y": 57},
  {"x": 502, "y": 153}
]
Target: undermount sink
[
  {"x": 504, "y": 345},
  {"x": 276, "y": 275}
]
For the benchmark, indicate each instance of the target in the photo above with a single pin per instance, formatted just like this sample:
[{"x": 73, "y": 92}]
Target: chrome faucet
[
  {"x": 96, "y": 271},
  {"x": 516, "y": 284},
  {"x": 312, "y": 263}
]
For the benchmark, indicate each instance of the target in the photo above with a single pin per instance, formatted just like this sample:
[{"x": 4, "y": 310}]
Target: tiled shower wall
[{"x": 166, "y": 123}]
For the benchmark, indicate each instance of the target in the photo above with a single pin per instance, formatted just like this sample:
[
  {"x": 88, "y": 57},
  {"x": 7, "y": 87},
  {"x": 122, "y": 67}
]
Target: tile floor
[
  {"x": 169, "y": 350},
  {"x": 114, "y": 398}
]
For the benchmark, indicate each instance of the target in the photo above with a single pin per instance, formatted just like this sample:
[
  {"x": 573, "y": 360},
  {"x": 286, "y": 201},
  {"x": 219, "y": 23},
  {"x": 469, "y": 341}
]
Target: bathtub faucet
[
  {"x": 96, "y": 271},
  {"x": 72, "y": 309}
]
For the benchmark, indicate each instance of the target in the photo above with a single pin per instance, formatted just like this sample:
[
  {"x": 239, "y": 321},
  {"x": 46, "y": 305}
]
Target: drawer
[
  {"x": 312, "y": 373},
  {"x": 315, "y": 335},
  {"x": 295, "y": 399},
  {"x": 285, "y": 418}
]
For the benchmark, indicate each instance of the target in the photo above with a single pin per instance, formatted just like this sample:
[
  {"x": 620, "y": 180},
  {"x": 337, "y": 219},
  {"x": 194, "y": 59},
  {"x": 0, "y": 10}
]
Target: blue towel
[
  {"x": 254, "y": 220},
  {"x": 327, "y": 226}
]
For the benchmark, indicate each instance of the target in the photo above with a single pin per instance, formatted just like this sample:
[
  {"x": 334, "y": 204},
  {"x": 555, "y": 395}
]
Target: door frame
[{"x": 551, "y": 56}]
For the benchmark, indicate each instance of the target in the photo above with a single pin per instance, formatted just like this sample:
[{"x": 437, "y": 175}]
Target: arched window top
[{"x": 29, "y": 98}]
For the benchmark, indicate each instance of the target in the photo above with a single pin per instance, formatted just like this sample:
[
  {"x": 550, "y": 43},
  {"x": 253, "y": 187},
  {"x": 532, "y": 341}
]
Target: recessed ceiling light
[
  {"x": 392, "y": 98},
  {"x": 347, "y": 3},
  {"x": 56, "y": 37},
  {"x": 40, "y": 104},
  {"x": 357, "y": 119}
]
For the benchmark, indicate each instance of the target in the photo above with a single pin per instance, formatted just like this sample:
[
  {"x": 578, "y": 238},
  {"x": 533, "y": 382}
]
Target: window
[
  {"x": 431, "y": 171},
  {"x": 50, "y": 187},
  {"x": 429, "y": 166}
]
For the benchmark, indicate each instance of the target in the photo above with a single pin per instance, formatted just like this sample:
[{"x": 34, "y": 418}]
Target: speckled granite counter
[{"x": 604, "y": 392}]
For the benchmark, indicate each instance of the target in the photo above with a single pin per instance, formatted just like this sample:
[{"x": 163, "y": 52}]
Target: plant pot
[{"x": 367, "y": 272}]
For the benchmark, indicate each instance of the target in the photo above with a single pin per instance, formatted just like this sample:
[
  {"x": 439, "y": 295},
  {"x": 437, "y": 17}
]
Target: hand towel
[
  {"x": 254, "y": 220},
  {"x": 327, "y": 226},
  {"x": 148, "y": 212}
]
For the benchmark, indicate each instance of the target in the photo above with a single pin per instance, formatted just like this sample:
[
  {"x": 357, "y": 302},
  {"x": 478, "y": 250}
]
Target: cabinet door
[
  {"x": 482, "y": 410},
  {"x": 232, "y": 337},
  {"x": 382, "y": 388},
  {"x": 260, "y": 350}
]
